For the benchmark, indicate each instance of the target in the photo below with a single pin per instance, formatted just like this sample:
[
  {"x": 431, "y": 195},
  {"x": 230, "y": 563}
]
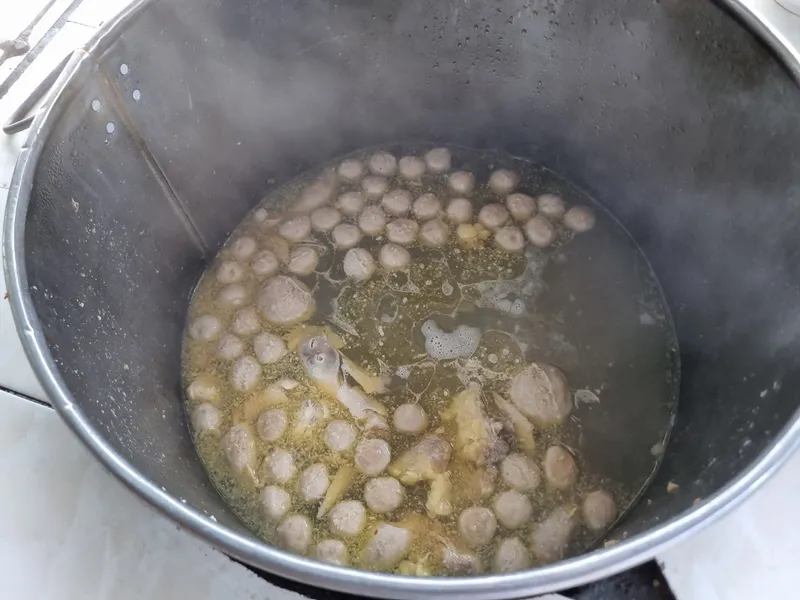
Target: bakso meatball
[
  {"x": 246, "y": 322},
  {"x": 459, "y": 211},
  {"x": 313, "y": 483},
  {"x": 541, "y": 393},
  {"x": 233, "y": 295},
  {"x": 551, "y": 206},
  {"x": 325, "y": 218},
  {"x": 351, "y": 170},
  {"x": 374, "y": 186},
  {"x": 245, "y": 373},
  {"x": 205, "y": 328},
  {"x": 457, "y": 562},
  {"x": 230, "y": 271},
  {"x": 383, "y": 494},
  {"x": 295, "y": 229},
  {"x": 511, "y": 555},
  {"x": 493, "y": 216},
  {"x": 402, "y": 231},
  {"x": 426, "y": 207},
  {"x": 397, "y": 202},
  {"x": 411, "y": 168},
  {"x": 271, "y": 424},
  {"x": 372, "y": 220},
  {"x": 279, "y": 466},
  {"x": 560, "y": 469},
  {"x": 347, "y": 518},
  {"x": 275, "y": 502},
  {"x": 230, "y": 347},
  {"x": 598, "y": 510},
  {"x": 202, "y": 389},
  {"x": 285, "y": 301},
  {"x": 205, "y": 417},
  {"x": 243, "y": 248},
  {"x": 434, "y": 234},
  {"x": 340, "y": 436},
  {"x": 477, "y": 526},
  {"x": 520, "y": 473},
  {"x": 521, "y": 206},
  {"x": 509, "y": 239},
  {"x": 579, "y": 219},
  {"x": 359, "y": 264},
  {"x": 549, "y": 539},
  {"x": 238, "y": 447},
  {"x": 260, "y": 215},
  {"x": 372, "y": 456},
  {"x": 294, "y": 533},
  {"x": 438, "y": 160},
  {"x": 540, "y": 232},
  {"x": 503, "y": 181},
  {"x": 387, "y": 547},
  {"x": 303, "y": 260},
  {"x": 333, "y": 552},
  {"x": 410, "y": 418},
  {"x": 350, "y": 203},
  {"x": 265, "y": 264},
  {"x": 513, "y": 509},
  {"x": 393, "y": 257},
  {"x": 383, "y": 163},
  {"x": 462, "y": 182},
  {"x": 268, "y": 348},
  {"x": 346, "y": 236}
]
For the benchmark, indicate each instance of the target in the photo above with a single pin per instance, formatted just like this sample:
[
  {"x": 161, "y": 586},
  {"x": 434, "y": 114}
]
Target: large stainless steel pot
[{"x": 174, "y": 122}]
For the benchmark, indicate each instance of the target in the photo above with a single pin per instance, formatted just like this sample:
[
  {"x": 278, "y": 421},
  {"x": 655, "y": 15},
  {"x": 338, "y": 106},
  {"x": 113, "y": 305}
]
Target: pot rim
[{"x": 558, "y": 576}]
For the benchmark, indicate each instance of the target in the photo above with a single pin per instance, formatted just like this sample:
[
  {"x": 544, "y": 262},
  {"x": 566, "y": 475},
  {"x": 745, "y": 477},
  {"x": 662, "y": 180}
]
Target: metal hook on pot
[{"x": 18, "y": 121}]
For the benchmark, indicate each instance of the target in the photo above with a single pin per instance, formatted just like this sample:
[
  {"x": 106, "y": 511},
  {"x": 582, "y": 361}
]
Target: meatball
[
  {"x": 372, "y": 456},
  {"x": 460, "y": 563},
  {"x": 205, "y": 417},
  {"x": 350, "y": 203},
  {"x": 513, "y": 509},
  {"x": 382, "y": 163},
  {"x": 387, "y": 547},
  {"x": 351, "y": 170},
  {"x": 540, "y": 232},
  {"x": 279, "y": 466},
  {"x": 551, "y": 206},
  {"x": 579, "y": 219},
  {"x": 294, "y": 533},
  {"x": 333, "y": 552},
  {"x": 598, "y": 510},
  {"x": 271, "y": 424},
  {"x": 347, "y": 518},
  {"x": 346, "y": 236},
  {"x": 265, "y": 264},
  {"x": 438, "y": 160},
  {"x": 459, "y": 211},
  {"x": 383, "y": 494},
  {"x": 296, "y": 229},
  {"x": 560, "y": 469},
  {"x": 549, "y": 539},
  {"x": 521, "y": 206},
  {"x": 374, "y": 186},
  {"x": 303, "y": 260},
  {"x": 245, "y": 373},
  {"x": 246, "y": 322},
  {"x": 233, "y": 295},
  {"x": 503, "y": 181},
  {"x": 434, "y": 234},
  {"x": 230, "y": 347},
  {"x": 426, "y": 207},
  {"x": 285, "y": 301},
  {"x": 275, "y": 502},
  {"x": 520, "y": 473},
  {"x": 359, "y": 264},
  {"x": 493, "y": 216},
  {"x": 238, "y": 447},
  {"x": 268, "y": 348},
  {"x": 402, "y": 231},
  {"x": 477, "y": 526},
  {"x": 510, "y": 239},
  {"x": 397, "y": 202},
  {"x": 410, "y": 418},
  {"x": 372, "y": 220},
  {"x": 462, "y": 182},
  {"x": 325, "y": 218},
  {"x": 205, "y": 329},
  {"x": 340, "y": 436},
  {"x": 260, "y": 215},
  {"x": 411, "y": 168},
  {"x": 393, "y": 257},
  {"x": 243, "y": 248},
  {"x": 313, "y": 483},
  {"x": 511, "y": 555},
  {"x": 202, "y": 390},
  {"x": 230, "y": 271},
  {"x": 541, "y": 393}
]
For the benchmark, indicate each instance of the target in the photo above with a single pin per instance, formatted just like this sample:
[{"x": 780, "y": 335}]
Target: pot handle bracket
[{"x": 18, "y": 121}]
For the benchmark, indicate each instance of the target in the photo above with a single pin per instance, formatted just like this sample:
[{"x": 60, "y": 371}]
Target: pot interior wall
[{"x": 669, "y": 113}]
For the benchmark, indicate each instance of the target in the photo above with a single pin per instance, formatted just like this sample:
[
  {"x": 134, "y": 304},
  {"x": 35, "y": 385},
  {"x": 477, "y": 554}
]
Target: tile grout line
[{"x": 22, "y": 396}]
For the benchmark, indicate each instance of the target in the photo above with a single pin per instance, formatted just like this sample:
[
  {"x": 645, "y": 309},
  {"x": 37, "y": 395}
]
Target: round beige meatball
[
  {"x": 313, "y": 483},
  {"x": 520, "y": 473},
  {"x": 521, "y": 207},
  {"x": 243, "y": 248},
  {"x": 372, "y": 220},
  {"x": 265, "y": 264},
  {"x": 233, "y": 295},
  {"x": 325, "y": 218},
  {"x": 509, "y": 239},
  {"x": 279, "y": 466},
  {"x": 410, "y": 418},
  {"x": 560, "y": 469},
  {"x": 350, "y": 203},
  {"x": 202, "y": 389},
  {"x": 411, "y": 168},
  {"x": 294, "y": 533},
  {"x": 513, "y": 509},
  {"x": 511, "y": 555},
  {"x": 541, "y": 393},
  {"x": 372, "y": 456},
  {"x": 438, "y": 160},
  {"x": 462, "y": 182},
  {"x": 260, "y": 215},
  {"x": 296, "y": 228},
  {"x": 374, "y": 186},
  {"x": 540, "y": 232},
  {"x": 285, "y": 301},
  {"x": 238, "y": 447},
  {"x": 268, "y": 348},
  {"x": 358, "y": 264},
  {"x": 393, "y": 257},
  {"x": 274, "y": 502},
  {"x": 340, "y": 436},
  {"x": 382, "y": 163},
  {"x": 346, "y": 236},
  {"x": 303, "y": 260},
  {"x": 397, "y": 202},
  {"x": 246, "y": 322},
  {"x": 459, "y": 211},
  {"x": 598, "y": 510},
  {"x": 477, "y": 526},
  {"x": 434, "y": 234},
  {"x": 402, "y": 231},
  {"x": 205, "y": 417},
  {"x": 271, "y": 424},
  {"x": 427, "y": 207},
  {"x": 230, "y": 271},
  {"x": 493, "y": 216},
  {"x": 333, "y": 552},
  {"x": 205, "y": 329},
  {"x": 502, "y": 182},
  {"x": 550, "y": 538},
  {"x": 579, "y": 219},
  {"x": 387, "y": 547},
  {"x": 230, "y": 347},
  {"x": 347, "y": 518},
  {"x": 551, "y": 206},
  {"x": 351, "y": 170},
  {"x": 245, "y": 373},
  {"x": 383, "y": 494}
]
